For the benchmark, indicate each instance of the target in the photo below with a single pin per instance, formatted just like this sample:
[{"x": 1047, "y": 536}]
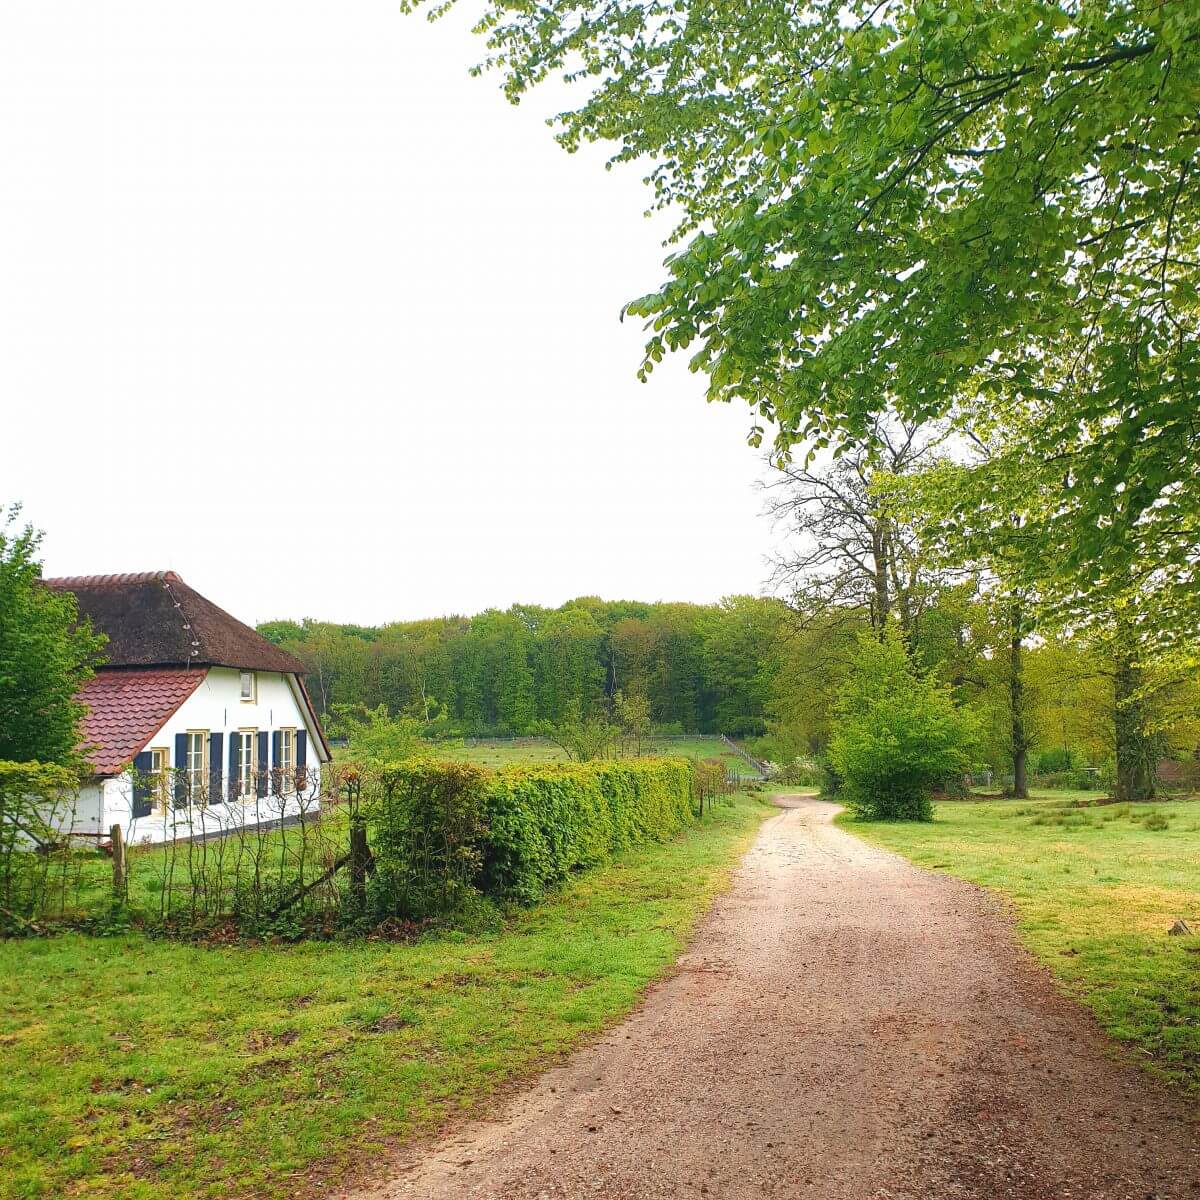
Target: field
[
  {"x": 145, "y": 1068},
  {"x": 503, "y": 752},
  {"x": 1094, "y": 891}
]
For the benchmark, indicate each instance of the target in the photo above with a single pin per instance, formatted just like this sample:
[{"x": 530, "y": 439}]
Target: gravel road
[{"x": 845, "y": 1027}]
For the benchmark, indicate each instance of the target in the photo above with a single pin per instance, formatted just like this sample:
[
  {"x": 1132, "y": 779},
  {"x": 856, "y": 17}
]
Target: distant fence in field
[{"x": 760, "y": 767}]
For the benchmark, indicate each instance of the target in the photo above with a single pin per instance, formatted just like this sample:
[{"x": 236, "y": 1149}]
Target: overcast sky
[{"x": 292, "y": 305}]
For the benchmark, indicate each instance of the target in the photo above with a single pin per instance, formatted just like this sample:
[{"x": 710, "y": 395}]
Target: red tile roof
[{"x": 126, "y": 707}]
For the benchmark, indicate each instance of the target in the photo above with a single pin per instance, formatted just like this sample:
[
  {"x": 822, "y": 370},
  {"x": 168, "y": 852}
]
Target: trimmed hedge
[
  {"x": 545, "y": 822},
  {"x": 530, "y": 827}
]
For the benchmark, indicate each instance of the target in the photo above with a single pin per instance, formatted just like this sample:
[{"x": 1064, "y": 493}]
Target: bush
[
  {"x": 445, "y": 833},
  {"x": 36, "y": 802},
  {"x": 829, "y": 781},
  {"x": 546, "y": 822},
  {"x": 430, "y": 829},
  {"x": 799, "y": 772},
  {"x": 1052, "y": 761},
  {"x": 897, "y": 735}
]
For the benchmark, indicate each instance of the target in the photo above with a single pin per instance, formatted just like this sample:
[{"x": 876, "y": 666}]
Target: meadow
[
  {"x": 503, "y": 752},
  {"x": 1094, "y": 891},
  {"x": 146, "y": 1068}
]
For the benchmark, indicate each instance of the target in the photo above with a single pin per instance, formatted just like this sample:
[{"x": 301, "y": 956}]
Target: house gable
[{"x": 217, "y": 708}]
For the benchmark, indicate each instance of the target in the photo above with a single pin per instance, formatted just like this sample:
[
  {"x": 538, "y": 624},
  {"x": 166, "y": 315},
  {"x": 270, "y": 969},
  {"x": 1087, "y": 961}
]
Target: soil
[{"x": 844, "y": 1027}]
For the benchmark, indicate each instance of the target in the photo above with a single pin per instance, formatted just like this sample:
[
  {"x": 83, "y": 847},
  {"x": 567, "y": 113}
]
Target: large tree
[
  {"x": 849, "y": 552},
  {"x": 931, "y": 206},
  {"x": 46, "y": 654}
]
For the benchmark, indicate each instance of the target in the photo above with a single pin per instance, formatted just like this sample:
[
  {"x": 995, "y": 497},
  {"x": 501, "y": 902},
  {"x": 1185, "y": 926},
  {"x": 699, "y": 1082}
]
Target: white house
[{"x": 196, "y": 724}]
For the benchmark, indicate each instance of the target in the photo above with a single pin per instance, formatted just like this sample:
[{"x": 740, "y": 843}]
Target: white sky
[{"x": 291, "y": 304}]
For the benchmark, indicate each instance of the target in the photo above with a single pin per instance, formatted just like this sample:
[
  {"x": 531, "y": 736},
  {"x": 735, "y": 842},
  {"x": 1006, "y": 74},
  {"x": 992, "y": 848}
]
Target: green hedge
[
  {"x": 545, "y": 822},
  {"x": 36, "y": 802},
  {"x": 528, "y": 827}
]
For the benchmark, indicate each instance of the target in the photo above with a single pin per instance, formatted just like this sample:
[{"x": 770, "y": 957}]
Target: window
[
  {"x": 286, "y": 764},
  {"x": 197, "y": 764},
  {"x": 160, "y": 776},
  {"x": 247, "y": 750},
  {"x": 249, "y": 686}
]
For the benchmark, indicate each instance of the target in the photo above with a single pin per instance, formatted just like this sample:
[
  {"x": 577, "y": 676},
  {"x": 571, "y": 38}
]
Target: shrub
[
  {"x": 829, "y": 781},
  {"x": 897, "y": 734},
  {"x": 36, "y": 802},
  {"x": 799, "y": 772},
  {"x": 1054, "y": 760},
  {"x": 546, "y": 822},
  {"x": 445, "y": 833},
  {"x": 429, "y": 834},
  {"x": 374, "y": 735}
]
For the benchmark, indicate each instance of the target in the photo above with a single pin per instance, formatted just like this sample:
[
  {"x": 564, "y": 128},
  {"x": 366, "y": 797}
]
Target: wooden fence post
[
  {"x": 120, "y": 880},
  {"x": 360, "y": 859}
]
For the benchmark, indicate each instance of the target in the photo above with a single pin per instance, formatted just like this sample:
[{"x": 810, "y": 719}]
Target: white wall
[{"x": 216, "y": 706}]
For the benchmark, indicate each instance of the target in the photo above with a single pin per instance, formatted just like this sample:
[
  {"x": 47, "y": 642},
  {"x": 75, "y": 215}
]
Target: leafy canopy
[
  {"x": 979, "y": 208},
  {"x": 45, "y": 656}
]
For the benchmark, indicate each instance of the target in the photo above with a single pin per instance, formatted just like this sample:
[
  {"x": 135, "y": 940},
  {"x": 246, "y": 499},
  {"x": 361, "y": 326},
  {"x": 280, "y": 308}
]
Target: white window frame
[
  {"x": 248, "y": 686},
  {"x": 247, "y": 753},
  {"x": 160, "y": 775},
  {"x": 197, "y": 763}
]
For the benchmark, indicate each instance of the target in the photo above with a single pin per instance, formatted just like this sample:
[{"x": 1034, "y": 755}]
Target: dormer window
[{"x": 249, "y": 686}]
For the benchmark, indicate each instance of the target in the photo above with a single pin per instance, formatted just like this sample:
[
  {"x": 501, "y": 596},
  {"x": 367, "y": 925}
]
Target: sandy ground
[{"x": 845, "y": 1027}]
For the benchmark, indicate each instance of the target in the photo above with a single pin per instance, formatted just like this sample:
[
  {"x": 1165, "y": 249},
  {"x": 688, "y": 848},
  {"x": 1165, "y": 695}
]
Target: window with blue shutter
[
  {"x": 260, "y": 784},
  {"x": 216, "y": 792},
  {"x": 143, "y": 784},
  {"x": 235, "y": 766},
  {"x": 181, "y": 770},
  {"x": 301, "y": 757}
]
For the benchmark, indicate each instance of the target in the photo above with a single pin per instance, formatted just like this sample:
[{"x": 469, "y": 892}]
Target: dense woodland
[
  {"x": 701, "y": 668},
  {"x": 761, "y": 669}
]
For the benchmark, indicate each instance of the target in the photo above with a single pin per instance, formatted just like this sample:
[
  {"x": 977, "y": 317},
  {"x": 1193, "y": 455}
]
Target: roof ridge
[
  {"x": 189, "y": 625},
  {"x": 66, "y": 582}
]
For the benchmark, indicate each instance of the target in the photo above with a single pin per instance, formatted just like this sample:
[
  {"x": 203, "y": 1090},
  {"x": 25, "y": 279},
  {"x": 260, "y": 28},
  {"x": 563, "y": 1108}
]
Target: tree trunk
[
  {"x": 1135, "y": 752},
  {"x": 1016, "y": 701},
  {"x": 883, "y": 604}
]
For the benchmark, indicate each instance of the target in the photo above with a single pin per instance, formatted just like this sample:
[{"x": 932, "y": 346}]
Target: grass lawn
[
  {"x": 1095, "y": 891},
  {"x": 145, "y": 1068},
  {"x": 500, "y": 752}
]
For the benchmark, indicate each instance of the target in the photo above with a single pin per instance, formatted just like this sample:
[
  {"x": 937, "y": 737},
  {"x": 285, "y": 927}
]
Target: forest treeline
[
  {"x": 701, "y": 667},
  {"x": 757, "y": 668}
]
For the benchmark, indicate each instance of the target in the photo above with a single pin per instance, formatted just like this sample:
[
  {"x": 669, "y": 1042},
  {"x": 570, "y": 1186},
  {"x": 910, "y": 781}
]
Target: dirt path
[{"x": 846, "y": 1027}]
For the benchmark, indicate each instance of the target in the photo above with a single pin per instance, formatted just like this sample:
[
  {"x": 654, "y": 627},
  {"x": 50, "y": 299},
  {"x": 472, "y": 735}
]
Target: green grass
[
  {"x": 1095, "y": 890},
  {"x": 147, "y": 1068},
  {"x": 498, "y": 752}
]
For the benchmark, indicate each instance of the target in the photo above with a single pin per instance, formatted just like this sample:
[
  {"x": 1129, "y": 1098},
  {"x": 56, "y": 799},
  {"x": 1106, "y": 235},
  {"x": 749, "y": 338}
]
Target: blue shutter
[
  {"x": 235, "y": 765},
  {"x": 181, "y": 778},
  {"x": 260, "y": 783},
  {"x": 276, "y": 778},
  {"x": 216, "y": 794},
  {"x": 301, "y": 755},
  {"x": 143, "y": 785}
]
